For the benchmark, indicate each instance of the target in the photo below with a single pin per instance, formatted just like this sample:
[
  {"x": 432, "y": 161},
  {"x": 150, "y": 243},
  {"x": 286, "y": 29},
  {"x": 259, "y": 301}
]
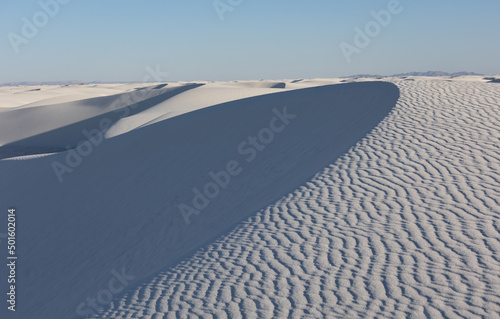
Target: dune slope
[
  {"x": 404, "y": 225},
  {"x": 119, "y": 209},
  {"x": 61, "y": 124}
]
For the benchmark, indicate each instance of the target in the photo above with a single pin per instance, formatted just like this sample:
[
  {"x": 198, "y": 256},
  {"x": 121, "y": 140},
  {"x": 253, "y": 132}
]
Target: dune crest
[
  {"x": 137, "y": 181},
  {"x": 406, "y": 224}
]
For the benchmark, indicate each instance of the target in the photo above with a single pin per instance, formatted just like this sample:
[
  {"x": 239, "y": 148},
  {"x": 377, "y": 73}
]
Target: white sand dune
[
  {"x": 376, "y": 200},
  {"x": 59, "y": 125},
  {"x": 15, "y": 96},
  {"x": 53, "y": 124}
]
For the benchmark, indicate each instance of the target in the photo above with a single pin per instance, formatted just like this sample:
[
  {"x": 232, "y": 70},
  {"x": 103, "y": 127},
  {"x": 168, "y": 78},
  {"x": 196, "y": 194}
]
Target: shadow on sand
[
  {"x": 120, "y": 207},
  {"x": 68, "y": 136}
]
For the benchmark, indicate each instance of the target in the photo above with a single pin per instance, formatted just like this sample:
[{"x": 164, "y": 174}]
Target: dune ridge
[
  {"x": 405, "y": 224},
  {"x": 120, "y": 207}
]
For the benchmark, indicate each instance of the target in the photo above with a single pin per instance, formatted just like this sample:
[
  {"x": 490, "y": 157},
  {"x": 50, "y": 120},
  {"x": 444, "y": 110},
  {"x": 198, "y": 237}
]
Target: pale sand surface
[
  {"x": 378, "y": 200},
  {"x": 405, "y": 224}
]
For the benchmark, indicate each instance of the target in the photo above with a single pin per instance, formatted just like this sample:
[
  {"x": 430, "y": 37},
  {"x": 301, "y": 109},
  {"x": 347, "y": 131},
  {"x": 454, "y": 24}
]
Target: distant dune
[{"x": 428, "y": 73}]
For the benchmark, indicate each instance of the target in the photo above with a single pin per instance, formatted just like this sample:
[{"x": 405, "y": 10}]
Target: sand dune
[
  {"x": 406, "y": 224},
  {"x": 375, "y": 199},
  {"x": 15, "y": 96}
]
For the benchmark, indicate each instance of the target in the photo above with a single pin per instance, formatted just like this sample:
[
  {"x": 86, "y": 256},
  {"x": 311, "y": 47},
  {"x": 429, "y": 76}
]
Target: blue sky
[{"x": 117, "y": 40}]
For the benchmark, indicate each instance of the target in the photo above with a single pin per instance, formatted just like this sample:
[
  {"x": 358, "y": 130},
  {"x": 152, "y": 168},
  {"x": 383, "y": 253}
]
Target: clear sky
[{"x": 116, "y": 40}]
